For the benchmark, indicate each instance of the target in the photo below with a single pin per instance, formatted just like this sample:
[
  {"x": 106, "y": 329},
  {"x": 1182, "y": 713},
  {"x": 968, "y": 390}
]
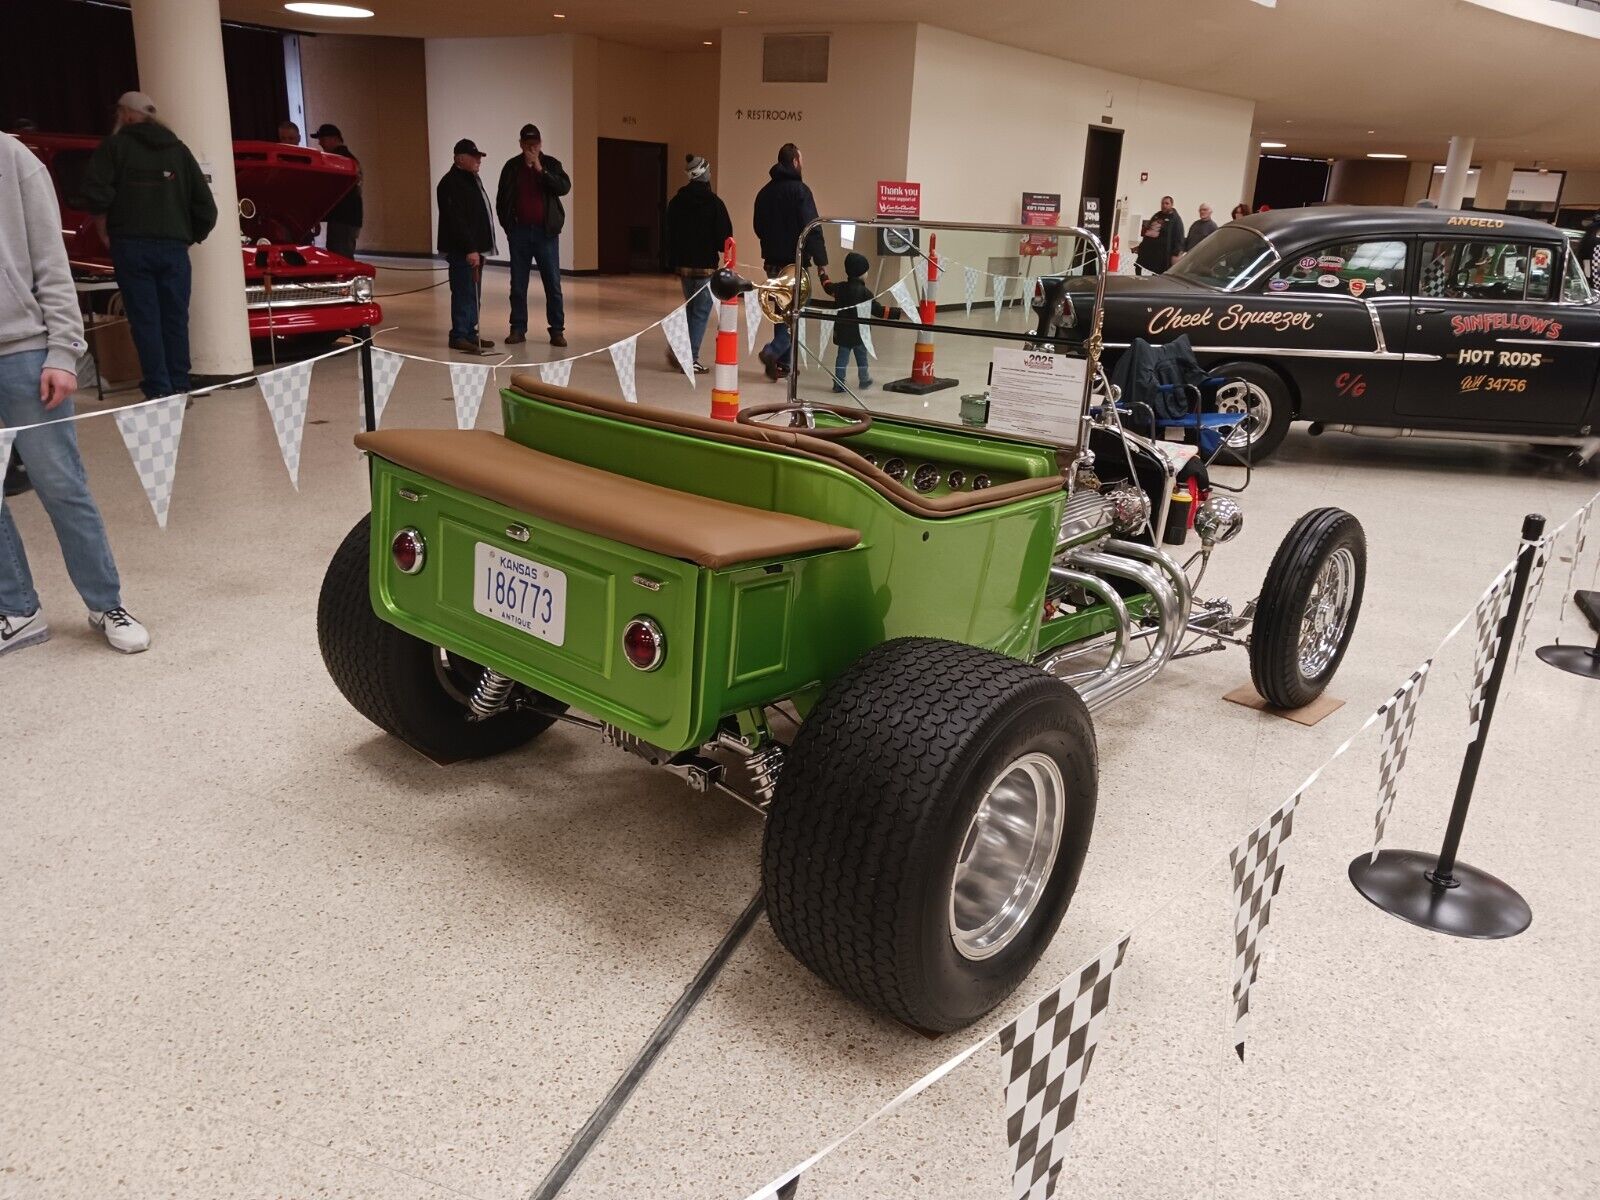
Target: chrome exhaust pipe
[
  {"x": 1108, "y": 596},
  {"x": 1155, "y": 574}
]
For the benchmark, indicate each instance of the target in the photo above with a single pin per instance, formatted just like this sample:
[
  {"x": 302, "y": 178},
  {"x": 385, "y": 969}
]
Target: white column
[
  {"x": 1456, "y": 164},
  {"x": 178, "y": 44}
]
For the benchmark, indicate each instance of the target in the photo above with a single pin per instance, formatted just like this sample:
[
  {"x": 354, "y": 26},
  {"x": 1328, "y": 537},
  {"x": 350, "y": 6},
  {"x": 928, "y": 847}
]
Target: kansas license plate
[{"x": 519, "y": 592}]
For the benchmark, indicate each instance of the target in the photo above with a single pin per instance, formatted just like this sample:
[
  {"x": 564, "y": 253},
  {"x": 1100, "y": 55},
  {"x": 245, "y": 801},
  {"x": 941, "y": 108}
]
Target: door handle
[{"x": 1420, "y": 311}]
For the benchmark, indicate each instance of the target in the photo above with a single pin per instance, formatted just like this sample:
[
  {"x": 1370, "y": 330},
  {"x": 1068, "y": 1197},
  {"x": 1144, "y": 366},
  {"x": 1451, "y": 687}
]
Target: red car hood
[
  {"x": 286, "y": 191},
  {"x": 294, "y": 262}
]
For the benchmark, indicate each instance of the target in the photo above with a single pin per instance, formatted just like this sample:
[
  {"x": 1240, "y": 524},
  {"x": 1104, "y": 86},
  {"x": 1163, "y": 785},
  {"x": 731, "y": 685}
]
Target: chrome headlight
[
  {"x": 361, "y": 289},
  {"x": 1219, "y": 519},
  {"x": 1130, "y": 508}
]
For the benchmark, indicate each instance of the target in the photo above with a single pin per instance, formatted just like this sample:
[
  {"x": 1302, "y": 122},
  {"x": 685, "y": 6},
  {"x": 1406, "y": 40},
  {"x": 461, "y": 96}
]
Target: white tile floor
[{"x": 253, "y": 948}]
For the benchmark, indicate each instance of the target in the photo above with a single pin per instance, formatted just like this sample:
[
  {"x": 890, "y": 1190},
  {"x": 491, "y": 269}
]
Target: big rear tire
[
  {"x": 929, "y": 828},
  {"x": 1308, "y": 607},
  {"x": 401, "y": 684}
]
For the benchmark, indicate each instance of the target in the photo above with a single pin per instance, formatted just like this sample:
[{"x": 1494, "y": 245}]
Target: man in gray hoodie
[{"x": 41, "y": 341}]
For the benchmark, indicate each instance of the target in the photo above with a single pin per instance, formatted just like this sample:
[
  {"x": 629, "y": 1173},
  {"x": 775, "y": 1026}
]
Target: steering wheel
[{"x": 854, "y": 424}]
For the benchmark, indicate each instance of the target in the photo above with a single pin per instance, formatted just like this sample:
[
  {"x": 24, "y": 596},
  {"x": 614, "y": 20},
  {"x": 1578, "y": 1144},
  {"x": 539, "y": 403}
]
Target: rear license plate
[{"x": 519, "y": 592}]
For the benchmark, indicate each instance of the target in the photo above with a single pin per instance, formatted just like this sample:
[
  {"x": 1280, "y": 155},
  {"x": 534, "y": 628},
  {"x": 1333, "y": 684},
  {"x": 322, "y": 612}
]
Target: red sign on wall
[
  {"x": 899, "y": 199},
  {"x": 1040, "y": 208}
]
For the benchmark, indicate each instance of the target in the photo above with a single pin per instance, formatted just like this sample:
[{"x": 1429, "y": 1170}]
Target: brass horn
[{"x": 779, "y": 296}]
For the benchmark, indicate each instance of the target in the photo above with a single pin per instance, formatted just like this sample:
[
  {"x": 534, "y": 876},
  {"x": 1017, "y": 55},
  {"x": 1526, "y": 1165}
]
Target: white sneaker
[
  {"x": 121, "y": 630},
  {"x": 17, "y": 632}
]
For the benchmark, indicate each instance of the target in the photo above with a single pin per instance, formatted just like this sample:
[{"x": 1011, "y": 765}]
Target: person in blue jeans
[
  {"x": 698, "y": 228},
  {"x": 847, "y": 298},
  {"x": 784, "y": 206},
  {"x": 151, "y": 203},
  {"x": 466, "y": 237},
  {"x": 41, "y": 341},
  {"x": 528, "y": 205}
]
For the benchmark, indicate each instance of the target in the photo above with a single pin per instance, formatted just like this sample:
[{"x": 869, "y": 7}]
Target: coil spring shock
[{"x": 489, "y": 696}]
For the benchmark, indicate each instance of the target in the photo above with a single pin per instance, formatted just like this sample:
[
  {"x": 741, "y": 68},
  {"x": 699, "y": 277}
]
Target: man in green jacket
[{"x": 152, "y": 204}]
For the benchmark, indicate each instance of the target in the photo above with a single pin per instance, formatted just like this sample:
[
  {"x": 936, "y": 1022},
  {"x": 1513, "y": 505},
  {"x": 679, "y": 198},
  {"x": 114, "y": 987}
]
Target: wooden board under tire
[{"x": 1311, "y": 714}]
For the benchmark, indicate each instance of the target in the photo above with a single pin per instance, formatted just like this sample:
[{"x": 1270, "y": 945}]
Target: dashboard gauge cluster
[{"x": 928, "y": 477}]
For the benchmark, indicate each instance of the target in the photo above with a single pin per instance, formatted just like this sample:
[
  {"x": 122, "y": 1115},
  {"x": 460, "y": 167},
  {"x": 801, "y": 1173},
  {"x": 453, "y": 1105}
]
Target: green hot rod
[{"x": 895, "y": 666}]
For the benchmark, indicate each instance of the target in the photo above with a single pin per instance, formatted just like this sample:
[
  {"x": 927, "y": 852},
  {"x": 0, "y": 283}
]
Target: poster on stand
[
  {"x": 1043, "y": 209},
  {"x": 903, "y": 199}
]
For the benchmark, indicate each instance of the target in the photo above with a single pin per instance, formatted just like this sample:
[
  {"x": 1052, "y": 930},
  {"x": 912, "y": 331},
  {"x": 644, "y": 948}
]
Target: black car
[{"x": 1384, "y": 321}]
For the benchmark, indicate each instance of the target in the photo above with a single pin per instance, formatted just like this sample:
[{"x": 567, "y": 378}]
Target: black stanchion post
[
  {"x": 1436, "y": 891},
  {"x": 368, "y": 409}
]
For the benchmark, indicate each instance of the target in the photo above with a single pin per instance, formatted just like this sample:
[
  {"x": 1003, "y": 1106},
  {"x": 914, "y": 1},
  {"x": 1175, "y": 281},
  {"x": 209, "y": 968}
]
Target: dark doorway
[
  {"x": 1287, "y": 181},
  {"x": 632, "y": 191},
  {"x": 1102, "y": 157}
]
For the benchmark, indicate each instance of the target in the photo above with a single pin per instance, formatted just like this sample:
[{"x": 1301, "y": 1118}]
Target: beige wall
[
  {"x": 1369, "y": 181},
  {"x": 374, "y": 89},
  {"x": 1581, "y": 188}
]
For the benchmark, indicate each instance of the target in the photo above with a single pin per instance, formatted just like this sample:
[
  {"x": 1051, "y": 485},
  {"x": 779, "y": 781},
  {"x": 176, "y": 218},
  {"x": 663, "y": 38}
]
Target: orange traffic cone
[
  {"x": 922, "y": 380},
  {"x": 725, "y": 377}
]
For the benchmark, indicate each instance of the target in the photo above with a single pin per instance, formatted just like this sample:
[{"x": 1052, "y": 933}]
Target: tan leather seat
[
  {"x": 712, "y": 533},
  {"x": 789, "y": 441}
]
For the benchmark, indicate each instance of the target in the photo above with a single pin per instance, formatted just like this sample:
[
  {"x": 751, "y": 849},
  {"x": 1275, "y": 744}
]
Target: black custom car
[{"x": 1384, "y": 321}]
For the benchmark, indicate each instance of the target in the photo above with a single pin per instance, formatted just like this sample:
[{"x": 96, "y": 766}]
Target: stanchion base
[
  {"x": 1579, "y": 660},
  {"x": 1479, "y": 906},
  {"x": 919, "y": 387}
]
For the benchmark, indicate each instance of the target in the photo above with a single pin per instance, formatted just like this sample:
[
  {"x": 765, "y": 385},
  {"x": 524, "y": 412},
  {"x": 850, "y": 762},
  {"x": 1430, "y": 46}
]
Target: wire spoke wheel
[
  {"x": 1007, "y": 855},
  {"x": 1327, "y": 613}
]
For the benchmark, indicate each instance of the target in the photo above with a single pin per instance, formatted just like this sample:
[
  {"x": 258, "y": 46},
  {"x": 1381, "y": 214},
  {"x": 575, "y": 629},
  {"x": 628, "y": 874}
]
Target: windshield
[{"x": 1225, "y": 260}]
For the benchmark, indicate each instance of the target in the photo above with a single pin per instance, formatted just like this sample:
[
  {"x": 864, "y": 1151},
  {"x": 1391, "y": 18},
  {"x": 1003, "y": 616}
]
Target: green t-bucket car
[{"x": 886, "y": 631}]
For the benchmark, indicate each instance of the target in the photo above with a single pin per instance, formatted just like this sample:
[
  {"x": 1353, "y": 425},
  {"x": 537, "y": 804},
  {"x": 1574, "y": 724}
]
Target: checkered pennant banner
[
  {"x": 1399, "y": 716},
  {"x": 1257, "y": 871},
  {"x": 287, "y": 392},
  {"x": 919, "y": 268},
  {"x": 1541, "y": 559},
  {"x": 864, "y": 309},
  {"x": 151, "y": 432},
  {"x": 676, "y": 326},
  {"x": 971, "y": 277},
  {"x": 467, "y": 381},
  {"x": 1045, "y": 1055},
  {"x": 385, "y": 370},
  {"x": 1487, "y": 618},
  {"x": 7, "y": 437},
  {"x": 824, "y": 331},
  {"x": 752, "y": 319},
  {"x": 906, "y": 301},
  {"x": 623, "y": 355},
  {"x": 556, "y": 373},
  {"x": 1000, "y": 283},
  {"x": 1579, "y": 541}
]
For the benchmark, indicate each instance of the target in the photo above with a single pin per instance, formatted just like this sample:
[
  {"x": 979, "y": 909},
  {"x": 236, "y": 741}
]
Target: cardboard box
[{"x": 111, "y": 344}]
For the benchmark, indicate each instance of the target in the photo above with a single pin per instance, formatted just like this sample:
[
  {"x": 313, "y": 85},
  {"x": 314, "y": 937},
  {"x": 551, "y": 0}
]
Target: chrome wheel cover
[
  {"x": 1327, "y": 613},
  {"x": 1242, "y": 396},
  {"x": 1007, "y": 855}
]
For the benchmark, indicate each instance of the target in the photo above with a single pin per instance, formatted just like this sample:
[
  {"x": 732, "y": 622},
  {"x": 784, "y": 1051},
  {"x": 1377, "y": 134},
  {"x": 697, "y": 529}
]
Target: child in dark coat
[{"x": 846, "y": 329}]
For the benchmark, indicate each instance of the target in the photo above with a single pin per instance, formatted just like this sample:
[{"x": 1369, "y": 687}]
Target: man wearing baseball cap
[
  {"x": 151, "y": 203},
  {"x": 344, "y": 221},
  {"x": 466, "y": 234},
  {"x": 528, "y": 203}
]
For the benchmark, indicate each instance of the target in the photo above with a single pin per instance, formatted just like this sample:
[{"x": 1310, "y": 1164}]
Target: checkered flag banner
[
  {"x": 1579, "y": 541},
  {"x": 385, "y": 370},
  {"x": 556, "y": 373},
  {"x": 1399, "y": 716},
  {"x": 1257, "y": 871},
  {"x": 467, "y": 381},
  {"x": 1541, "y": 559},
  {"x": 906, "y": 301},
  {"x": 919, "y": 268},
  {"x": 752, "y": 319},
  {"x": 1000, "y": 283},
  {"x": 287, "y": 392},
  {"x": 676, "y": 326},
  {"x": 824, "y": 329},
  {"x": 864, "y": 309},
  {"x": 1487, "y": 618},
  {"x": 623, "y": 354},
  {"x": 1045, "y": 1055},
  {"x": 971, "y": 277},
  {"x": 151, "y": 433},
  {"x": 7, "y": 436}
]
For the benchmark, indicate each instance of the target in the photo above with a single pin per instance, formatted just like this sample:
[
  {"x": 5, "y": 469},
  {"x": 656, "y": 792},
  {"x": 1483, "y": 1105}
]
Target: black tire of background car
[
  {"x": 874, "y": 801},
  {"x": 1282, "y": 400},
  {"x": 1275, "y": 636},
  {"x": 389, "y": 677}
]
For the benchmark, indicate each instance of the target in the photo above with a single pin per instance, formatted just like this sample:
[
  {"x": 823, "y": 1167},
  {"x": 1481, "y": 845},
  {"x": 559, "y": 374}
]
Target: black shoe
[
  {"x": 557, "y": 338},
  {"x": 465, "y": 345},
  {"x": 17, "y": 480},
  {"x": 514, "y": 338},
  {"x": 485, "y": 344}
]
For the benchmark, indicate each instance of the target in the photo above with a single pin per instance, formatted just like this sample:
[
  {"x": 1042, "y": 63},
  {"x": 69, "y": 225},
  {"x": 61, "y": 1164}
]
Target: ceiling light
[
  {"x": 559, "y": 16},
  {"x": 708, "y": 43},
  {"x": 1383, "y": 154},
  {"x": 307, "y": 9},
  {"x": 1372, "y": 131},
  {"x": 1273, "y": 145}
]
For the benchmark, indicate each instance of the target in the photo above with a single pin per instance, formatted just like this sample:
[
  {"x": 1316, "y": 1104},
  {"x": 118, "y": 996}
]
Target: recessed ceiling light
[
  {"x": 708, "y": 43},
  {"x": 1372, "y": 131},
  {"x": 559, "y": 16},
  {"x": 1273, "y": 145},
  {"x": 1383, "y": 154},
  {"x": 307, "y": 9}
]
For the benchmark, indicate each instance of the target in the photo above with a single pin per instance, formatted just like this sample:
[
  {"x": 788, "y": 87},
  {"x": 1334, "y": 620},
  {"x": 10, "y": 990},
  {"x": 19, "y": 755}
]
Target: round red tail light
[
  {"x": 643, "y": 643},
  {"x": 408, "y": 550}
]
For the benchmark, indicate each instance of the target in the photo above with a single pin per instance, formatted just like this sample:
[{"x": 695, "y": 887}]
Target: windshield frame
[{"x": 1260, "y": 266}]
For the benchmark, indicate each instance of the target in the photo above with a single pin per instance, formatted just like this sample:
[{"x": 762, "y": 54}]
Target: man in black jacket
[
  {"x": 1160, "y": 241},
  {"x": 344, "y": 221},
  {"x": 466, "y": 234},
  {"x": 784, "y": 206},
  {"x": 528, "y": 203},
  {"x": 698, "y": 227}
]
